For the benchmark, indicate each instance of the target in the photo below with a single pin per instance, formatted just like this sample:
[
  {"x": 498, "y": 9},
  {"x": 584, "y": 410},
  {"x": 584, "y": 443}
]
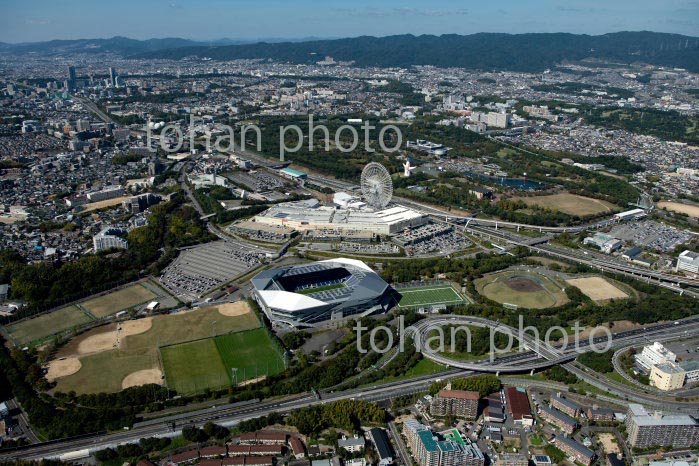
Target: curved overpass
[{"x": 538, "y": 354}]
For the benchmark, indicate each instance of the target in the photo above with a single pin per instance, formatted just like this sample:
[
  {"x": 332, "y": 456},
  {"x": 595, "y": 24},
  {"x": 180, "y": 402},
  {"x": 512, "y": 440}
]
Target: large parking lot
[
  {"x": 651, "y": 235},
  {"x": 201, "y": 268},
  {"x": 257, "y": 181}
]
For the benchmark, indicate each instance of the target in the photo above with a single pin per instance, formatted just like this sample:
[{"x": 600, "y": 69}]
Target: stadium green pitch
[{"x": 433, "y": 295}]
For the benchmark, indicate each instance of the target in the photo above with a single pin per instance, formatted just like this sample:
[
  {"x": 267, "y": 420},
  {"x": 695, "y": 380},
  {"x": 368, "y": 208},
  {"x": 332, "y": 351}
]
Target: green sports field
[
  {"x": 119, "y": 300},
  {"x": 429, "y": 296},
  {"x": 193, "y": 366},
  {"x": 251, "y": 352},
  {"x": 43, "y": 326}
]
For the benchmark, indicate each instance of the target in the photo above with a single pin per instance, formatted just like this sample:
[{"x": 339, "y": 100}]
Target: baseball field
[
  {"x": 524, "y": 289},
  {"x": 115, "y": 356}
]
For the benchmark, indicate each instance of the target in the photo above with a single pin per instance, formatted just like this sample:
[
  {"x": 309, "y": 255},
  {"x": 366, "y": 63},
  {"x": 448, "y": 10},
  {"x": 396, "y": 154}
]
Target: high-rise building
[
  {"x": 655, "y": 354},
  {"x": 651, "y": 430},
  {"x": 455, "y": 403},
  {"x": 689, "y": 262},
  {"x": 112, "y": 77},
  {"x": 667, "y": 376},
  {"x": 429, "y": 450},
  {"x": 72, "y": 79}
]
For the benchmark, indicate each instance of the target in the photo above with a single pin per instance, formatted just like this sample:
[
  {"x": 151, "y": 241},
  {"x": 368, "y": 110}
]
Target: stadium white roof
[{"x": 289, "y": 302}]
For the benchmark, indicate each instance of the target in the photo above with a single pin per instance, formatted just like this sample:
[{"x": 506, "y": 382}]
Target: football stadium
[{"x": 305, "y": 295}]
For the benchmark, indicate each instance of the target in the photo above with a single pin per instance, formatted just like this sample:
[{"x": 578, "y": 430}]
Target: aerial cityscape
[{"x": 337, "y": 234}]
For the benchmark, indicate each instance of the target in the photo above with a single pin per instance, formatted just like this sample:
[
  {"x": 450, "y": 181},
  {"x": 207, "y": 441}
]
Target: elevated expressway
[{"x": 536, "y": 354}]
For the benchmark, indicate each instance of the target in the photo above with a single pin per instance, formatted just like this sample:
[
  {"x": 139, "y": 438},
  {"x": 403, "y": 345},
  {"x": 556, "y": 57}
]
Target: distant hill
[
  {"x": 121, "y": 45},
  {"x": 485, "y": 51}
]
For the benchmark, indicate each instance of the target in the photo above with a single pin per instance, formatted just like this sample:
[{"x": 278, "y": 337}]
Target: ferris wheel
[{"x": 377, "y": 185}]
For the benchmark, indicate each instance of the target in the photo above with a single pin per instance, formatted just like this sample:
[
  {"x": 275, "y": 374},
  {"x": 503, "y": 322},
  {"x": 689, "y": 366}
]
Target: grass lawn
[
  {"x": 252, "y": 352},
  {"x": 192, "y": 367},
  {"x": 423, "y": 367},
  {"x": 105, "y": 371},
  {"x": 500, "y": 292},
  {"x": 46, "y": 325},
  {"x": 112, "y": 303},
  {"x": 428, "y": 296},
  {"x": 318, "y": 289},
  {"x": 571, "y": 204}
]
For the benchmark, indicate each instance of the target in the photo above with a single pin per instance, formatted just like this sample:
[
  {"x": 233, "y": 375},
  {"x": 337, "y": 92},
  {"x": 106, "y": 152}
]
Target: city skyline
[{"x": 43, "y": 20}]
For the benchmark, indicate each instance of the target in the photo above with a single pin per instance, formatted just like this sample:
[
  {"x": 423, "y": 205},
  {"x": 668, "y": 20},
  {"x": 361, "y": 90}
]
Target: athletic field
[
  {"x": 429, "y": 296},
  {"x": 119, "y": 300},
  {"x": 194, "y": 366},
  {"x": 40, "y": 328}
]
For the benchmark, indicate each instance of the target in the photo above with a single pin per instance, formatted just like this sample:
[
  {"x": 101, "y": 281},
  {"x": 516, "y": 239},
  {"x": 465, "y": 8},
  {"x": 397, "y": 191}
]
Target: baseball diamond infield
[{"x": 529, "y": 290}]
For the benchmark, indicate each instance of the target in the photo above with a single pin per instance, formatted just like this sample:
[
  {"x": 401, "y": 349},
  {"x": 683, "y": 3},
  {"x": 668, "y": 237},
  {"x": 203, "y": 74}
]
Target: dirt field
[
  {"x": 113, "y": 339},
  {"x": 234, "y": 309},
  {"x": 597, "y": 288},
  {"x": 112, "y": 303},
  {"x": 100, "y": 342},
  {"x": 252, "y": 381},
  {"x": 615, "y": 327},
  {"x": 142, "y": 377},
  {"x": 102, "y": 204},
  {"x": 523, "y": 285},
  {"x": 570, "y": 204},
  {"x": 691, "y": 210},
  {"x": 608, "y": 442},
  {"x": 546, "y": 261},
  {"x": 62, "y": 368}
]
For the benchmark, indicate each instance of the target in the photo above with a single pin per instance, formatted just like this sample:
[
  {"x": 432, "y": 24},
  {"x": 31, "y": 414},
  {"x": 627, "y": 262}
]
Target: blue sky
[{"x": 36, "y": 20}]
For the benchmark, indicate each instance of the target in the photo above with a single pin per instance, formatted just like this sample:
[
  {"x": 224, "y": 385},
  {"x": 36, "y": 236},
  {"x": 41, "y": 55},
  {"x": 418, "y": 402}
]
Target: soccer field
[
  {"x": 429, "y": 296},
  {"x": 194, "y": 366},
  {"x": 251, "y": 352}
]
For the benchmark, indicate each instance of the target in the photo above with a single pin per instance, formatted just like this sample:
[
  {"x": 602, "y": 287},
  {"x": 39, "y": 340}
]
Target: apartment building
[
  {"x": 459, "y": 403},
  {"x": 649, "y": 430}
]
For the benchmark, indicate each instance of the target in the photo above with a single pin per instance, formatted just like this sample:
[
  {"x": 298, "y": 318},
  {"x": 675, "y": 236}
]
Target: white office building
[
  {"x": 688, "y": 261},
  {"x": 655, "y": 354}
]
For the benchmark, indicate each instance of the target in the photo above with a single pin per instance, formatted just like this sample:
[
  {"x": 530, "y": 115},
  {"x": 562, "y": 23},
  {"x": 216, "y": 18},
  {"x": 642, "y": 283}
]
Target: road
[
  {"x": 541, "y": 355},
  {"x": 595, "y": 261}
]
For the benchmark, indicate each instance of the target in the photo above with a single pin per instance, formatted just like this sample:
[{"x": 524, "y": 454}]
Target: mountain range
[{"x": 485, "y": 51}]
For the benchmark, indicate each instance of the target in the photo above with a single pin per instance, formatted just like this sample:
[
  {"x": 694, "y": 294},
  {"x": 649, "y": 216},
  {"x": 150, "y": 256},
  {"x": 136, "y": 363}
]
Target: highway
[
  {"x": 540, "y": 354},
  {"x": 519, "y": 362},
  {"x": 595, "y": 260}
]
